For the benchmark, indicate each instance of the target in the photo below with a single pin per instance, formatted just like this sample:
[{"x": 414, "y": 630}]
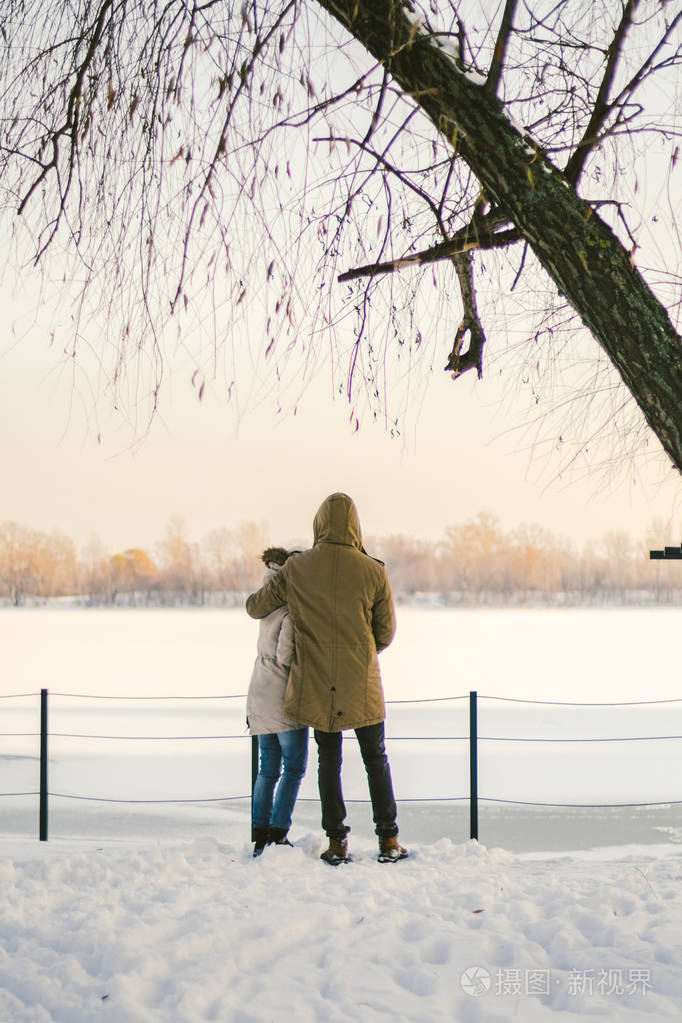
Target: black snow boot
[
  {"x": 278, "y": 836},
  {"x": 260, "y": 838}
]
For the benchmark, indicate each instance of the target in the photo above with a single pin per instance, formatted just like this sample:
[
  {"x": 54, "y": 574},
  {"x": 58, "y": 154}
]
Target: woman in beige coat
[
  {"x": 282, "y": 742},
  {"x": 341, "y": 607}
]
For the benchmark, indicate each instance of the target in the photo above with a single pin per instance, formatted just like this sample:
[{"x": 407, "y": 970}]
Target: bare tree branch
[
  {"x": 69, "y": 128},
  {"x": 577, "y": 249},
  {"x": 601, "y": 108},
  {"x": 171, "y": 147},
  {"x": 476, "y": 236},
  {"x": 497, "y": 63},
  {"x": 459, "y": 363},
  {"x": 649, "y": 63}
]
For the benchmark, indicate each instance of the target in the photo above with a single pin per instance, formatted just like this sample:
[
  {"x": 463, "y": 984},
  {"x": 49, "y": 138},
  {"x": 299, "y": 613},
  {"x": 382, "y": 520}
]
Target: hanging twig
[{"x": 471, "y": 325}]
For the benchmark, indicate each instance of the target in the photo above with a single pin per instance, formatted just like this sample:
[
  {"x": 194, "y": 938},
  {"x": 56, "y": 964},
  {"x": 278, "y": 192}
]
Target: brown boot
[
  {"x": 391, "y": 850},
  {"x": 336, "y": 853}
]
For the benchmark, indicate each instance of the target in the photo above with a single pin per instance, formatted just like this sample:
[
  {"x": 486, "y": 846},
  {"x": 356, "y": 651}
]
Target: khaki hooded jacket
[{"x": 341, "y": 608}]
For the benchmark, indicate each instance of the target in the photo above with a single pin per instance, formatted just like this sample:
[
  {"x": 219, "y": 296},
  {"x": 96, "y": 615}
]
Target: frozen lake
[
  {"x": 103, "y": 747},
  {"x": 572, "y": 654}
]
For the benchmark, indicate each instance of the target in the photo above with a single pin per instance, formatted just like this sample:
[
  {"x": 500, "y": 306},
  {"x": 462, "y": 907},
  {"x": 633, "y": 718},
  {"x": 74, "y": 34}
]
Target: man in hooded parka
[{"x": 341, "y": 608}]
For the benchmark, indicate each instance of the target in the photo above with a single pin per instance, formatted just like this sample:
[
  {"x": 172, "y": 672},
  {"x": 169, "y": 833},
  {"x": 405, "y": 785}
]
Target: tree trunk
[{"x": 578, "y": 250}]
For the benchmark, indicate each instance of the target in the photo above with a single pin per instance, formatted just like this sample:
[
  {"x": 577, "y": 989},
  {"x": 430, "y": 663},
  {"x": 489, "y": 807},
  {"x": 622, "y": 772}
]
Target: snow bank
[{"x": 137, "y": 932}]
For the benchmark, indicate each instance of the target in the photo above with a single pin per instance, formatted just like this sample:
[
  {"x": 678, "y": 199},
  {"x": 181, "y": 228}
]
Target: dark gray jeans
[{"x": 371, "y": 742}]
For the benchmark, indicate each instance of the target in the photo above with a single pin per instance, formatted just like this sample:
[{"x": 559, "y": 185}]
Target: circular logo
[{"x": 475, "y": 981}]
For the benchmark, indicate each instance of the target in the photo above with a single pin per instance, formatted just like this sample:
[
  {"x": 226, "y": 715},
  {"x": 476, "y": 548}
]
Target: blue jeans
[
  {"x": 272, "y": 808},
  {"x": 371, "y": 742}
]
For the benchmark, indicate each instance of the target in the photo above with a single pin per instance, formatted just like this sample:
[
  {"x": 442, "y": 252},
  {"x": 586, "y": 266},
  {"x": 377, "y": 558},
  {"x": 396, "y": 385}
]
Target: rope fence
[
  {"x": 433, "y": 699},
  {"x": 472, "y": 737}
]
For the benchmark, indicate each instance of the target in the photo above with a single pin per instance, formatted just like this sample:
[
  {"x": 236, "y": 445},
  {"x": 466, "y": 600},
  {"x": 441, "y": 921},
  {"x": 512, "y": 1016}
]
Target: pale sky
[{"x": 219, "y": 464}]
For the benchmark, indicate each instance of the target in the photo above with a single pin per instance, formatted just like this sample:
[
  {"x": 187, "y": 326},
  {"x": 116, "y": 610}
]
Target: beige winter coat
[
  {"x": 341, "y": 607},
  {"x": 275, "y": 647}
]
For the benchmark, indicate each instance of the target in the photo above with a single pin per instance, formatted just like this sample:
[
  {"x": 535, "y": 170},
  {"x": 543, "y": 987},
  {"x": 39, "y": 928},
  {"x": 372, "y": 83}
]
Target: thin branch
[
  {"x": 377, "y": 111},
  {"x": 382, "y": 160},
  {"x": 219, "y": 152},
  {"x": 648, "y": 64},
  {"x": 70, "y": 126},
  {"x": 602, "y": 108},
  {"x": 517, "y": 276},
  {"x": 475, "y": 236},
  {"x": 495, "y": 73},
  {"x": 444, "y": 192}
]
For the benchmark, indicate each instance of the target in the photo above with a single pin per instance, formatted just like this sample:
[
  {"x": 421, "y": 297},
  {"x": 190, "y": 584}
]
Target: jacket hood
[{"x": 337, "y": 521}]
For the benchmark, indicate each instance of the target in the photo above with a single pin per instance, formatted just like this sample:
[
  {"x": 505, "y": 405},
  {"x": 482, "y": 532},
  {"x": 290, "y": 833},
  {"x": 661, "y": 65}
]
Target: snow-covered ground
[
  {"x": 159, "y": 914},
  {"x": 132, "y": 931}
]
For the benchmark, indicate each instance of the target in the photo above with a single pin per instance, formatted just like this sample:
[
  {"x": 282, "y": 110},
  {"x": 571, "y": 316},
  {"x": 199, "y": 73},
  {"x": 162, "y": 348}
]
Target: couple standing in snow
[{"x": 325, "y": 614}]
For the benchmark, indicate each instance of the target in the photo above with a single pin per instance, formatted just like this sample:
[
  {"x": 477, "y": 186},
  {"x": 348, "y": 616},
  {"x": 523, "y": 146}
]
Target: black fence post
[
  {"x": 473, "y": 765},
  {"x": 43, "y": 765},
  {"x": 254, "y": 773}
]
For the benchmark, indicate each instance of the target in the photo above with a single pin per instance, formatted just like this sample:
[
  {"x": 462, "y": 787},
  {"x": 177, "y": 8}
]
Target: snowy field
[
  {"x": 147, "y": 931},
  {"x": 157, "y": 913}
]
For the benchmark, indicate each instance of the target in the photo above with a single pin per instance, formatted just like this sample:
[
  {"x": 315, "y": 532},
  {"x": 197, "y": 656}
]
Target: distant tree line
[
  {"x": 177, "y": 572},
  {"x": 477, "y": 562}
]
